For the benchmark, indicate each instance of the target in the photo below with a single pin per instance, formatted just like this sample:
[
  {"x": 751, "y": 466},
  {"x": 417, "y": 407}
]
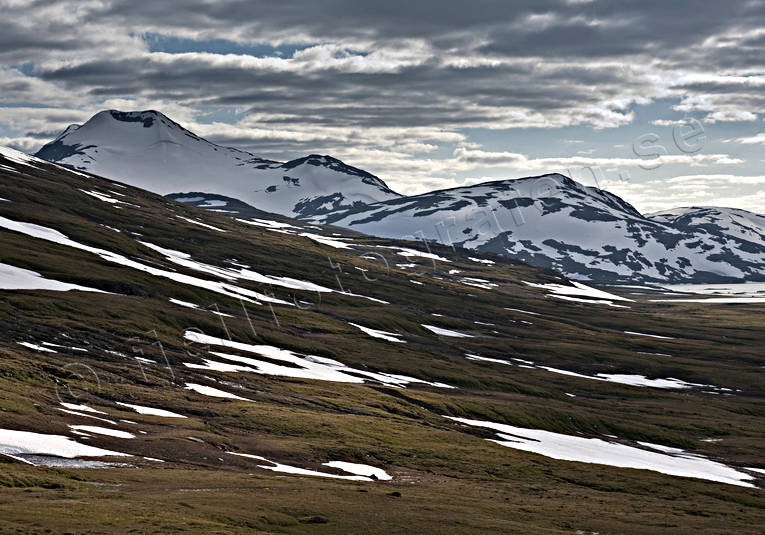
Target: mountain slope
[
  {"x": 148, "y": 150},
  {"x": 585, "y": 233},
  {"x": 233, "y": 376},
  {"x": 743, "y": 229},
  {"x": 548, "y": 221}
]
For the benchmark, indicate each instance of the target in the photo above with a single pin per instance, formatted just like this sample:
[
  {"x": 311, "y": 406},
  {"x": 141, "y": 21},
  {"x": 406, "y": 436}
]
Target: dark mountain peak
[
  {"x": 329, "y": 162},
  {"x": 148, "y": 118}
]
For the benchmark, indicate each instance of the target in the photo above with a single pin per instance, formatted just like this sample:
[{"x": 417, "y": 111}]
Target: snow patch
[
  {"x": 24, "y": 442},
  {"x": 102, "y": 431},
  {"x": 384, "y": 335},
  {"x": 140, "y": 409},
  {"x": 669, "y": 461},
  {"x": 446, "y": 332},
  {"x": 15, "y": 278}
]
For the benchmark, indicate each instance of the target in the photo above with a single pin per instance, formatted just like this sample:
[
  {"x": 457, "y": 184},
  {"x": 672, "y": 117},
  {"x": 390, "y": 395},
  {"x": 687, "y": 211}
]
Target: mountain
[
  {"x": 164, "y": 369},
  {"x": 549, "y": 221},
  {"x": 582, "y": 232},
  {"x": 148, "y": 150},
  {"x": 741, "y": 228}
]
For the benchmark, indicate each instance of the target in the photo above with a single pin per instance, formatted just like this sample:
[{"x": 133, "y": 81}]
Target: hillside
[{"x": 232, "y": 375}]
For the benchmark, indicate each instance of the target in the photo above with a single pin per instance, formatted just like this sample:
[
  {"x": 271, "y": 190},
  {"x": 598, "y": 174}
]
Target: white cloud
[
  {"x": 730, "y": 116},
  {"x": 758, "y": 139},
  {"x": 520, "y": 161}
]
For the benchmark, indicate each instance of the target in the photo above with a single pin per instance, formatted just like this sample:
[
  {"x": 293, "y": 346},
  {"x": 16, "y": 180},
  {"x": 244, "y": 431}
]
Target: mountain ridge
[
  {"x": 548, "y": 220},
  {"x": 585, "y": 233},
  {"x": 149, "y": 150}
]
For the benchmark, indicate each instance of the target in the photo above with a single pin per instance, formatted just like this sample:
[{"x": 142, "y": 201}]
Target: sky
[{"x": 661, "y": 103}]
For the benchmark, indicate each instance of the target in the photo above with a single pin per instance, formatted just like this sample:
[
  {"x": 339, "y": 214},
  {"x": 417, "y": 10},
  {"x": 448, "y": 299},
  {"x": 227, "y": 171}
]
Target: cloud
[
  {"x": 758, "y": 139},
  {"x": 746, "y": 192},
  {"x": 396, "y": 85},
  {"x": 735, "y": 180},
  {"x": 522, "y": 162}
]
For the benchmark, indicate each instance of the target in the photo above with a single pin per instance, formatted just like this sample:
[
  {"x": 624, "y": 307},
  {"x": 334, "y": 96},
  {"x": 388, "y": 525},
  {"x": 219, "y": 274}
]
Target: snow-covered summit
[
  {"x": 148, "y": 150},
  {"x": 549, "y": 220},
  {"x": 583, "y": 232}
]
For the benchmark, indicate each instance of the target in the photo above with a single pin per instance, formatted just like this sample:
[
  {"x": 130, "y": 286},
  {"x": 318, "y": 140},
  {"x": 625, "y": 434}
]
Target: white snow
[
  {"x": 140, "y": 409},
  {"x": 481, "y": 261},
  {"x": 446, "y": 332},
  {"x": 588, "y": 301},
  {"x": 580, "y": 290},
  {"x": 106, "y": 198},
  {"x": 669, "y": 383},
  {"x": 360, "y": 469},
  {"x": 747, "y": 289},
  {"x": 573, "y": 238},
  {"x": 581, "y": 293},
  {"x": 479, "y": 283},
  {"x": 36, "y": 347},
  {"x": 184, "y": 303},
  {"x": 635, "y": 333},
  {"x": 212, "y": 392},
  {"x": 346, "y": 467},
  {"x": 15, "y": 278},
  {"x": 165, "y": 158},
  {"x": 19, "y": 157},
  {"x": 199, "y": 223},
  {"x": 48, "y": 234},
  {"x": 84, "y": 415},
  {"x": 384, "y": 335},
  {"x": 102, "y": 431},
  {"x": 242, "y": 273},
  {"x": 640, "y": 380},
  {"x": 268, "y": 223},
  {"x": 487, "y": 359},
  {"x": 82, "y": 408},
  {"x": 714, "y": 300},
  {"x": 670, "y": 461},
  {"x": 408, "y": 252},
  {"x": 522, "y": 311},
  {"x": 295, "y": 365},
  {"x": 324, "y": 240},
  {"x": 213, "y": 203},
  {"x": 49, "y": 344},
  {"x": 23, "y": 442}
]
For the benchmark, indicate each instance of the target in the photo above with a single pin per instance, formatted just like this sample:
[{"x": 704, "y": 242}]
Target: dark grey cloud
[
  {"x": 565, "y": 45},
  {"x": 382, "y": 74}
]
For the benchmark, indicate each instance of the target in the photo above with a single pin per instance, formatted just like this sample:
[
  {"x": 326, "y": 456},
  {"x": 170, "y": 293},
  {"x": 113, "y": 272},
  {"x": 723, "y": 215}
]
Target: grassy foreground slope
[{"x": 446, "y": 477}]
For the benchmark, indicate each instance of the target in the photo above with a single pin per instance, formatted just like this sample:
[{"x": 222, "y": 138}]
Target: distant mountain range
[
  {"x": 585, "y": 233},
  {"x": 549, "y": 221}
]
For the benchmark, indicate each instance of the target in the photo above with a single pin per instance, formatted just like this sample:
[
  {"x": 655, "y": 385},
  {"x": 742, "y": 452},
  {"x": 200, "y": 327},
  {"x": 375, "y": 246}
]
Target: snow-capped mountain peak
[
  {"x": 149, "y": 150},
  {"x": 583, "y": 232},
  {"x": 548, "y": 220}
]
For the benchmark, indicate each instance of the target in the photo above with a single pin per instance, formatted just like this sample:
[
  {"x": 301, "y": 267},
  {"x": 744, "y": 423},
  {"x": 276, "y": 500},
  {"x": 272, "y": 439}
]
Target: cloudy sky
[{"x": 660, "y": 102}]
